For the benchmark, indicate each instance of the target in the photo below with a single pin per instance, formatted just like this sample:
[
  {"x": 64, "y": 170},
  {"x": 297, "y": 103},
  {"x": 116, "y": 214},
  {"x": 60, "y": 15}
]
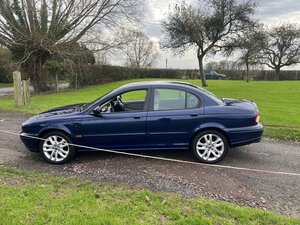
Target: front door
[{"x": 119, "y": 125}]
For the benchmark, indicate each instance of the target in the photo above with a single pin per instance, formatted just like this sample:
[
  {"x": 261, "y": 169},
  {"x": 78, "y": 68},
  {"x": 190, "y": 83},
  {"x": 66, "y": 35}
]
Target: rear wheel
[
  {"x": 210, "y": 146},
  {"x": 56, "y": 148}
]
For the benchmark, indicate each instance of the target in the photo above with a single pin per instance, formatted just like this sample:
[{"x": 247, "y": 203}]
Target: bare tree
[
  {"x": 248, "y": 45},
  {"x": 34, "y": 30},
  {"x": 207, "y": 27},
  {"x": 141, "y": 52},
  {"x": 224, "y": 65},
  {"x": 280, "y": 47},
  {"x": 102, "y": 58},
  {"x": 212, "y": 65}
]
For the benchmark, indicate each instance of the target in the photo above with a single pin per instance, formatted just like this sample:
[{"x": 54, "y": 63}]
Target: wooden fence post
[
  {"x": 21, "y": 89},
  {"x": 18, "y": 88}
]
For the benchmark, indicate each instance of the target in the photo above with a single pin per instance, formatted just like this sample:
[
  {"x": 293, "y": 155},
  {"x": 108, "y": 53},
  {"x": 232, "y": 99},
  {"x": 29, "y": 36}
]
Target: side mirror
[{"x": 97, "y": 111}]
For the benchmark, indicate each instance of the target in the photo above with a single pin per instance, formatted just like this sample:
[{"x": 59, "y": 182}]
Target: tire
[
  {"x": 56, "y": 148},
  {"x": 210, "y": 146}
]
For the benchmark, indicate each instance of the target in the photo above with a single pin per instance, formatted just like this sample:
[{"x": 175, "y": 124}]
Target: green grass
[
  {"x": 278, "y": 101},
  {"x": 3, "y": 85},
  {"x": 33, "y": 198}
]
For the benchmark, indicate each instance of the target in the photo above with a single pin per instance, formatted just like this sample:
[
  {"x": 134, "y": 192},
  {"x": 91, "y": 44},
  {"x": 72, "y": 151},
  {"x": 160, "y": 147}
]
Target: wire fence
[{"x": 160, "y": 158}]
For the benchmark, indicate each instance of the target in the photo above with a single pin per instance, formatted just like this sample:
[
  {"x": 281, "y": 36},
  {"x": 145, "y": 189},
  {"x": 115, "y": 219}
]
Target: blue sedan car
[{"x": 146, "y": 115}]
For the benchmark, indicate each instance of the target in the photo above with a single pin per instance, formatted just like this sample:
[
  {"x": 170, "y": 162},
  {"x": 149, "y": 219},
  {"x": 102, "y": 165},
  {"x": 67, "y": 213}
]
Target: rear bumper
[
  {"x": 245, "y": 135},
  {"x": 31, "y": 141}
]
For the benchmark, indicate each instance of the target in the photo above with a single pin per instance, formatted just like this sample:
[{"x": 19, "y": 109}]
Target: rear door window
[{"x": 172, "y": 99}]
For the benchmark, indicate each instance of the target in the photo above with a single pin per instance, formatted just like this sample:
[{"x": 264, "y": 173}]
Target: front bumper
[
  {"x": 31, "y": 141},
  {"x": 245, "y": 135}
]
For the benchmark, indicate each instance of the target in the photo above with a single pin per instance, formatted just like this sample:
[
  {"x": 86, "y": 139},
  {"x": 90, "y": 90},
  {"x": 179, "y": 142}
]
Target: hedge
[
  {"x": 83, "y": 75},
  {"x": 99, "y": 74}
]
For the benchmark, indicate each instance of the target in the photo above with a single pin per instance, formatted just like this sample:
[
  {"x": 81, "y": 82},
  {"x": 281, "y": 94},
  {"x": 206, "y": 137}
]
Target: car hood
[
  {"x": 243, "y": 103},
  {"x": 55, "y": 113},
  {"x": 62, "y": 109}
]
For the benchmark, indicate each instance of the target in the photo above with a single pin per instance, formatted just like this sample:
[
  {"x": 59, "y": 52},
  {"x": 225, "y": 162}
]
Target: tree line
[
  {"x": 37, "y": 32},
  {"x": 229, "y": 26}
]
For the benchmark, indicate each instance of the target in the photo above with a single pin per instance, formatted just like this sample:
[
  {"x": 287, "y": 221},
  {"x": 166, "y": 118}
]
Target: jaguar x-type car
[{"x": 147, "y": 115}]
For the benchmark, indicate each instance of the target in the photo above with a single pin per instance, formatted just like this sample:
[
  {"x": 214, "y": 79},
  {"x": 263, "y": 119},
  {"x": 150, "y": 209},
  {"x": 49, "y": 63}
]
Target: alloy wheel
[
  {"x": 56, "y": 148},
  {"x": 210, "y": 147}
]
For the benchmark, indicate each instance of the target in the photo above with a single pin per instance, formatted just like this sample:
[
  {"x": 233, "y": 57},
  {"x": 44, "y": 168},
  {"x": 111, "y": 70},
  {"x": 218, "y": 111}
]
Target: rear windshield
[{"x": 211, "y": 94}]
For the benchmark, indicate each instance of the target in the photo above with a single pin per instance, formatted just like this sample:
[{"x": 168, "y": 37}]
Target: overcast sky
[{"x": 270, "y": 12}]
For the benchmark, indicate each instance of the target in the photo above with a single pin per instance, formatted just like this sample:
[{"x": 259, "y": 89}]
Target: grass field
[
  {"x": 278, "y": 101},
  {"x": 33, "y": 198}
]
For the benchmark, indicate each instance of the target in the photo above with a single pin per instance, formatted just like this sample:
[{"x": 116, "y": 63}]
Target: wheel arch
[{"x": 55, "y": 129}]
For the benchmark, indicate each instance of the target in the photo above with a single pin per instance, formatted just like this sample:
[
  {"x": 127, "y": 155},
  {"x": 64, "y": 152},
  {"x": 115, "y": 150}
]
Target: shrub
[{"x": 5, "y": 69}]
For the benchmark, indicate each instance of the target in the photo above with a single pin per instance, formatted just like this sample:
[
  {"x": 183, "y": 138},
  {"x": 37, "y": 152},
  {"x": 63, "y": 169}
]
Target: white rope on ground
[{"x": 163, "y": 159}]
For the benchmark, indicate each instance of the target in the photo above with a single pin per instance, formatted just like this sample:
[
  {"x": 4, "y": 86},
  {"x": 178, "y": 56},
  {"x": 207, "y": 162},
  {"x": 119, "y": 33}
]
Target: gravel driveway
[{"x": 280, "y": 193}]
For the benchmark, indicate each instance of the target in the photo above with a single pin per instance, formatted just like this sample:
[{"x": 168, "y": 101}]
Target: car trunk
[{"x": 240, "y": 103}]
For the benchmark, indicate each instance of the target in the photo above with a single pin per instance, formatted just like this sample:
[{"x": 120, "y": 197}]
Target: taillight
[{"x": 257, "y": 117}]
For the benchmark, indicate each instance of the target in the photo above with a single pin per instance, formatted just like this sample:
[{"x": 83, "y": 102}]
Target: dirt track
[{"x": 280, "y": 193}]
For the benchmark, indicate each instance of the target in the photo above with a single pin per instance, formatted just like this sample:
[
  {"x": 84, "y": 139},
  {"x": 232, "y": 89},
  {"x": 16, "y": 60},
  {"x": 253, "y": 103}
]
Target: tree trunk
[
  {"x": 247, "y": 73},
  {"x": 201, "y": 70},
  {"x": 35, "y": 73},
  {"x": 277, "y": 72}
]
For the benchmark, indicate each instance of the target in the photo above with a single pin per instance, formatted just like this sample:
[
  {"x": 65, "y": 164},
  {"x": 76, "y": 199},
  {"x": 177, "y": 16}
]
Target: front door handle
[
  {"x": 194, "y": 114},
  {"x": 165, "y": 120},
  {"x": 137, "y": 117}
]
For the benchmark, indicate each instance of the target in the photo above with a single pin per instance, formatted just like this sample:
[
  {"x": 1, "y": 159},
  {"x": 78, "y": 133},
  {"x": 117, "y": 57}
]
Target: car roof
[{"x": 159, "y": 83}]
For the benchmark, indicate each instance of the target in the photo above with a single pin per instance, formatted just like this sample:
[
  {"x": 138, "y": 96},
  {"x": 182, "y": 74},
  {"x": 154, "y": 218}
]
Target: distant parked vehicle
[{"x": 213, "y": 75}]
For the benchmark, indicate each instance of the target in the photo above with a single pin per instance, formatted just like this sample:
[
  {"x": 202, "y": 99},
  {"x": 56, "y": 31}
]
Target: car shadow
[
  {"x": 170, "y": 154},
  {"x": 235, "y": 156}
]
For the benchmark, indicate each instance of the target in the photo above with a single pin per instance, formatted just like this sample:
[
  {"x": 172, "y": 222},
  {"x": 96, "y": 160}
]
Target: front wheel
[
  {"x": 56, "y": 148},
  {"x": 210, "y": 146}
]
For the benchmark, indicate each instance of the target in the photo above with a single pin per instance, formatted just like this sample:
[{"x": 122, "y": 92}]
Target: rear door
[{"x": 173, "y": 117}]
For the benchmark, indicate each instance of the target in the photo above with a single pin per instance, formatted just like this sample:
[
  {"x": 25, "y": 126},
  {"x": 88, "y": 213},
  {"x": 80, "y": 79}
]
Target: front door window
[{"x": 132, "y": 101}]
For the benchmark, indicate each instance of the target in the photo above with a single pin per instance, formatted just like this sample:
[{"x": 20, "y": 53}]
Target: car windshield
[
  {"x": 82, "y": 107},
  {"x": 87, "y": 105},
  {"x": 211, "y": 94}
]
